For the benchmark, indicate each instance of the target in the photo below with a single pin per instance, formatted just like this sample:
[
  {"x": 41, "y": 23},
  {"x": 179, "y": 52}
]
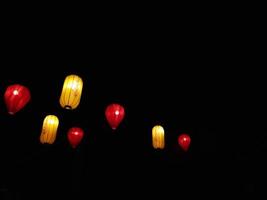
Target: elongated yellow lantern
[
  {"x": 71, "y": 92},
  {"x": 158, "y": 137},
  {"x": 49, "y": 129}
]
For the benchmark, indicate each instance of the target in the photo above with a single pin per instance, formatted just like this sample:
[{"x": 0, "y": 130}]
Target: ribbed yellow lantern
[
  {"x": 158, "y": 137},
  {"x": 71, "y": 92},
  {"x": 49, "y": 129}
]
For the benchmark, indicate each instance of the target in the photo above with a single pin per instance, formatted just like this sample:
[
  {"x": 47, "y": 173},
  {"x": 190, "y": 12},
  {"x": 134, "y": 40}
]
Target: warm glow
[
  {"x": 158, "y": 137},
  {"x": 71, "y": 92},
  {"x": 117, "y": 112},
  {"x": 49, "y": 129},
  {"x": 15, "y": 92},
  {"x": 74, "y": 85},
  {"x": 51, "y": 121}
]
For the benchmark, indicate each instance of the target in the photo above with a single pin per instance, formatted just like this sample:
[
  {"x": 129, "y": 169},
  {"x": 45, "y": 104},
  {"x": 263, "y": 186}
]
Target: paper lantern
[
  {"x": 158, "y": 137},
  {"x": 114, "y": 114},
  {"x": 49, "y": 130},
  {"x": 16, "y": 97},
  {"x": 184, "y": 141},
  {"x": 75, "y": 136},
  {"x": 71, "y": 92}
]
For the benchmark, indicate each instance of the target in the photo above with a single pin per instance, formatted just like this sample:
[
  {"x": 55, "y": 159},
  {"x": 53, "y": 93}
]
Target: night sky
[{"x": 187, "y": 84}]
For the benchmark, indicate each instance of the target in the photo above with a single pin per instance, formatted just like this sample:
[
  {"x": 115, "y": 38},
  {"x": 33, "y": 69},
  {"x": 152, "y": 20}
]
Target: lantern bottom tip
[{"x": 68, "y": 107}]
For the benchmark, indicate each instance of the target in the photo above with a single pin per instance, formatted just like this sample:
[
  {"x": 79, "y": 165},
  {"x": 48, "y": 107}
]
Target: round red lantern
[
  {"x": 184, "y": 141},
  {"x": 114, "y": 114},
  {"x": 16, "y": 97},
  {"x": 75, "y": 136}
]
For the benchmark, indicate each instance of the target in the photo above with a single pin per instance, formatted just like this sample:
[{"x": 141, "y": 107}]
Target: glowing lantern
[
  {"x": 49, "y": 130},
  {"x": 75, "y": 136},
  {"x": 158, "y": 137},
  {"x": 184, "y": 141},
  {"x": 114, "y": 115},
  {"x": 71, "y": 92},
  {"x": 16, "y": 97}
]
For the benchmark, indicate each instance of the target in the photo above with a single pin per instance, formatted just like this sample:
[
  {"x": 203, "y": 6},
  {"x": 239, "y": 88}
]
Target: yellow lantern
[
  {"x": 158, "y": 137},
  {"x": 71, "y": 92},
  {"x": 49, "y": 130}
]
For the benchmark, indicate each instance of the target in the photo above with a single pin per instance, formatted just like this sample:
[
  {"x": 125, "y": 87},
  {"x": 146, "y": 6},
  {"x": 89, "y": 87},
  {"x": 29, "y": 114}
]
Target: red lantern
[
  {"x": 16, "y": 97},
  {"x": 184, "y": 141},
  {"x": 114, "y": 115},
  {"x": 75, "y": 136}
]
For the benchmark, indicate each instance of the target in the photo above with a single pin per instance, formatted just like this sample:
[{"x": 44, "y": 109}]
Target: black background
[{"x": 192, "y": 77}]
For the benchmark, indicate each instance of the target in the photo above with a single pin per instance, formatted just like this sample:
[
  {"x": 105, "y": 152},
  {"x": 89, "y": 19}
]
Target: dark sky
[{"x": 186, "y": 82}]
